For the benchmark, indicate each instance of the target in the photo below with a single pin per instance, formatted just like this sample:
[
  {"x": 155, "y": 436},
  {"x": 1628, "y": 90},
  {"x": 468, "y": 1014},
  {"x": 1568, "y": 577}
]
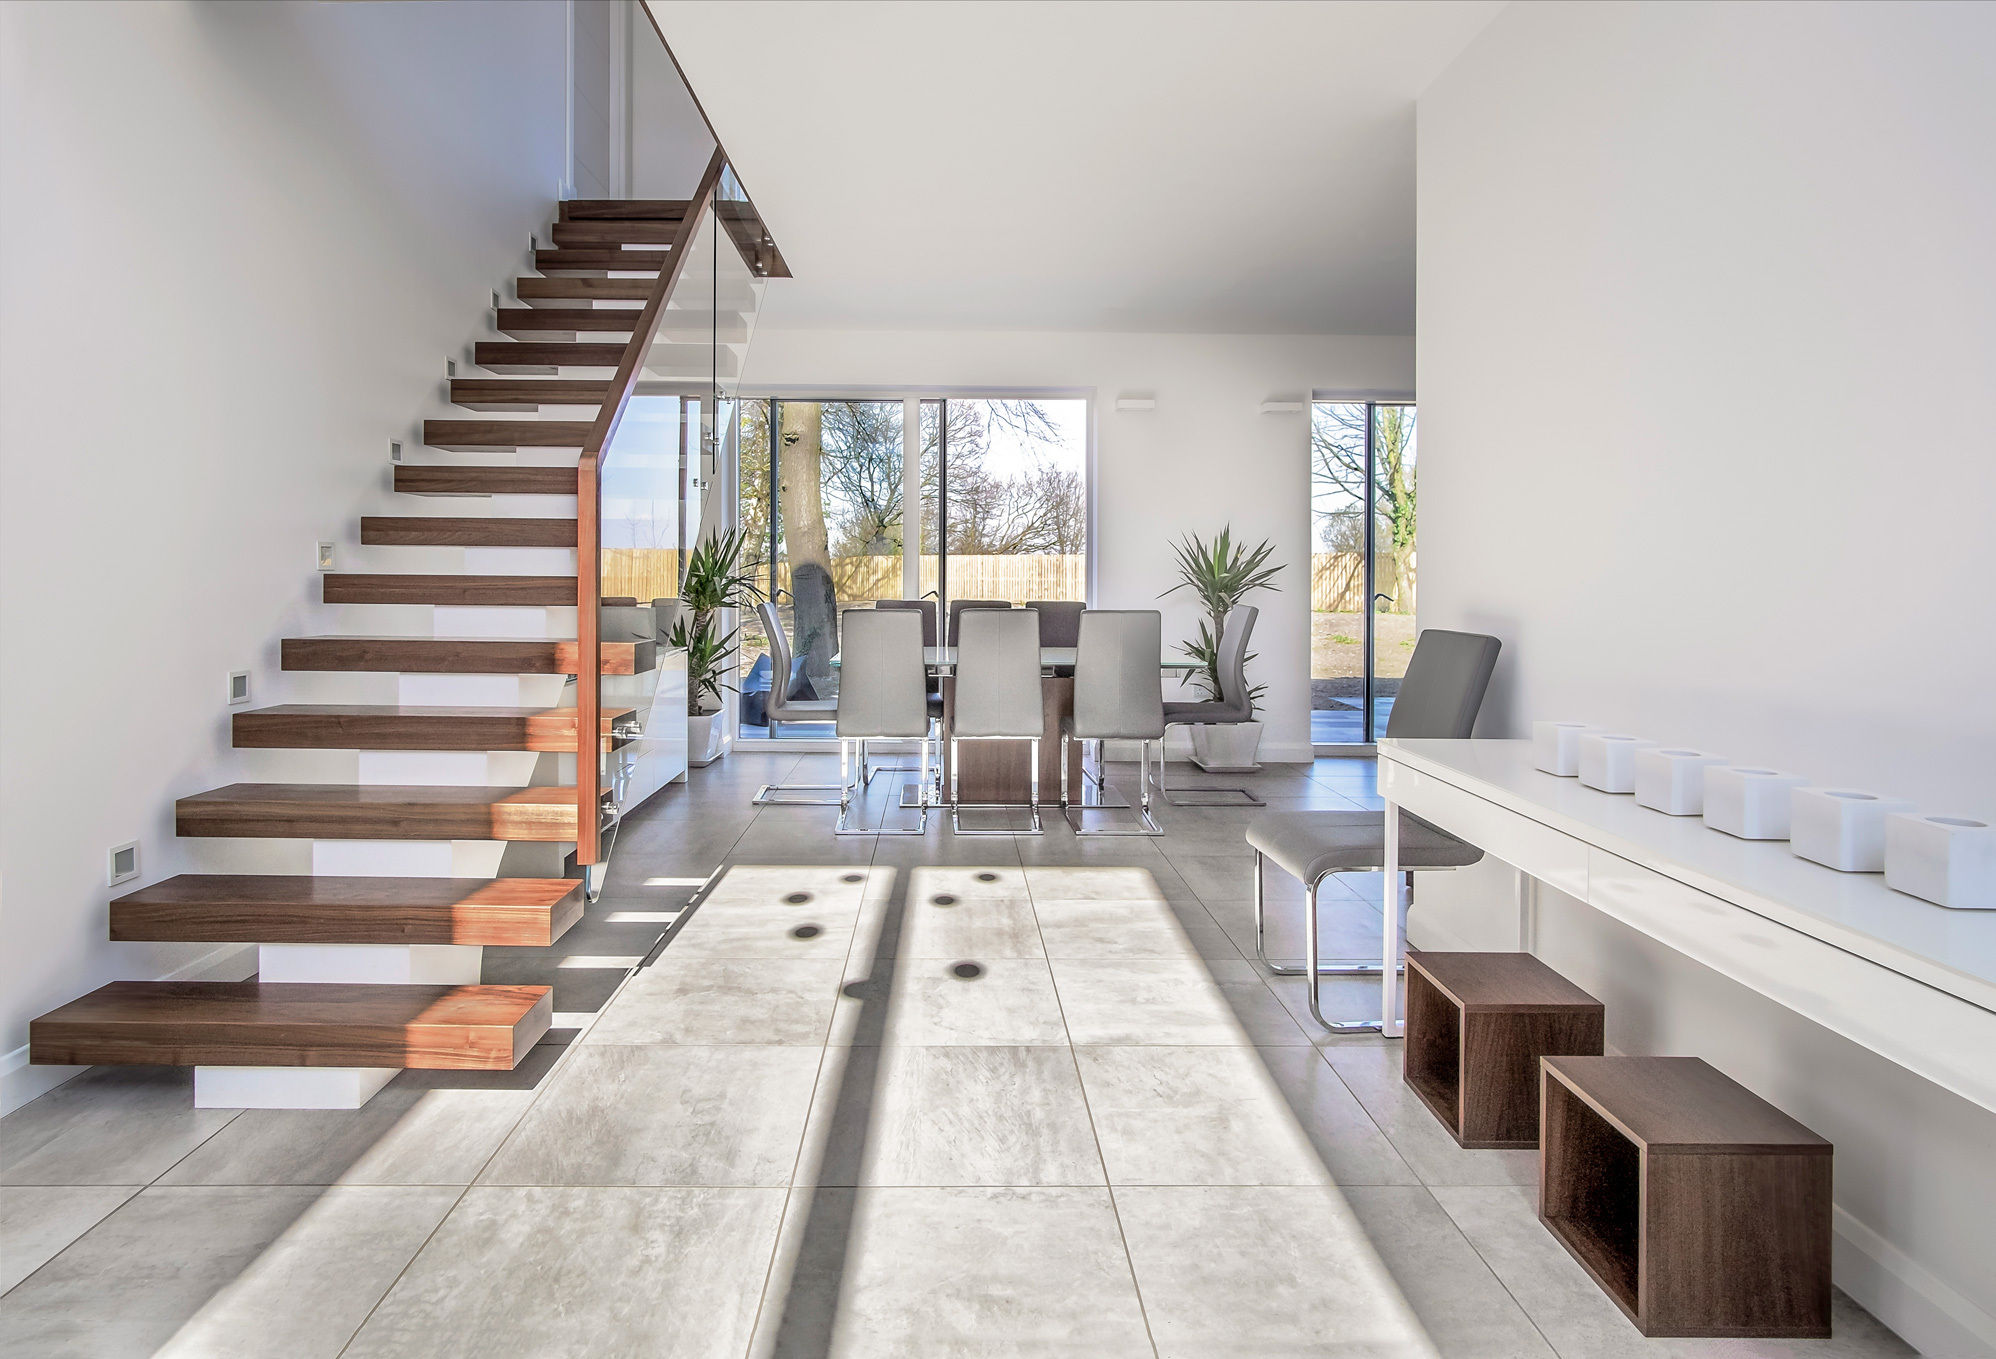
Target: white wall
[
  {"x": 1204, "y": 458},
  {"x": 241, "y": 240},
  {"x": 1707, "y": 325},
  {"x": 670, "y": 143}
]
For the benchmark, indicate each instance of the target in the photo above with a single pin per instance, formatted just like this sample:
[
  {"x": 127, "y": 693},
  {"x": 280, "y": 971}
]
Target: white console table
[{"x": 1909, "y": 980}]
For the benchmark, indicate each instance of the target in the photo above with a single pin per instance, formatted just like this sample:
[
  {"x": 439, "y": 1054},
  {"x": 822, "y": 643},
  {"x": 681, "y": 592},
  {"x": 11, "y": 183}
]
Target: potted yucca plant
[
  {"x": 1221, "y": 574},
  {"x": 716, "y": 578}
]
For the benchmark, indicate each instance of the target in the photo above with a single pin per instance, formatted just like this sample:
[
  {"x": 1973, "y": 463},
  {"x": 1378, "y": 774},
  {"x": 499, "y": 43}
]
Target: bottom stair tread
[{"x": 455, "y": 1028}]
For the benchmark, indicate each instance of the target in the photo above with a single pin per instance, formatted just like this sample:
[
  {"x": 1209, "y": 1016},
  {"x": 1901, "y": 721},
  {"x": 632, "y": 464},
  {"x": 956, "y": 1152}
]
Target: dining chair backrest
[
  {"x": 998, "y": 674},
  {"x": 928, "y": 611},
  {"x": 883, "y": 685},
  {"x": 1060, "y": 621},
  {"x": 779, "y": 662},
  {"x": 1444, "y": 685},
  {"x": 1118, "y": 690},
  {"x": 1234, "y": 635},
  {"x": 957, "y": 607}
]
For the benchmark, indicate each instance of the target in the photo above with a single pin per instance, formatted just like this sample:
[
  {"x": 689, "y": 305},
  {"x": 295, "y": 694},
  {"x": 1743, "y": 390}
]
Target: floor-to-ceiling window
[
  {"x": 1362, "y": 565},
  {"x": 1001, "y": 487}
]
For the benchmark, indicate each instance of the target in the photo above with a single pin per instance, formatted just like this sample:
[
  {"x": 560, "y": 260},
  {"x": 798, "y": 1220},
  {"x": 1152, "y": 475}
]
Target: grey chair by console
[
  {"x": 783, "y": 708},
  {"x": 1118, "y": 696},
  {"x": 957, "y": 608},
  {"x": 997, "y": 696},
  {"x": 1439, "y": 697},
  {"x": 1231, "y": 707},
  {"x": 883, "y": 695}
]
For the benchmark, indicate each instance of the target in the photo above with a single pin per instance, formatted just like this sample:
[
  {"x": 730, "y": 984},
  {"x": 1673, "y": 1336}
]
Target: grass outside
[{"x": 1337, "y": 645}]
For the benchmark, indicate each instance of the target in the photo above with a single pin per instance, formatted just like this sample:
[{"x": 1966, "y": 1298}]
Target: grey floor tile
[
  {"x": 1348, "y": 1142},
  {"x": 223, "y": 1272},
  {"x": 1195, "y": 1115},
  {"x": 962, "y": 1273},
  {"x": 699, "y": 999},
  {"x": 975, "y": 881},
  {"x": 802, "y": 931},
  {"x": 1103, "y": 881},
  {"x": 1372, "y": 1071},
  {"x": 828, "y": 889},
  {"x": 1263, "y": 1272},
  {"x": 1463, "y": 1307},
  {"x": 672, "y": 1273},
  {"x": 947, "y": 926},
  {"x": 411, "y": 1133},
  {"x": 1172, "y": 1002},
  {"x": 38, "y": 1221},
  {"x": 1105, "y": 928},
  {"x": 1002, "y": 1002},
  {"x": 111, "y": 1125},
  {"x": 664, "y": 1115},
  {"x": 949, "y": 1116}
]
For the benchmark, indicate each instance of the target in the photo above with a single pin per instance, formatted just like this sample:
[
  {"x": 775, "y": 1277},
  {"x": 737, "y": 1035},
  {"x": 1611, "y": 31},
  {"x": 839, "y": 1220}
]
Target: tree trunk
[{"x": 801, "y": 515}]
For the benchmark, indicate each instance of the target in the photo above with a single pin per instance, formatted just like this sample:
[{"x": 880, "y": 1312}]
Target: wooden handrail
[{"x": 588, "y": 521}]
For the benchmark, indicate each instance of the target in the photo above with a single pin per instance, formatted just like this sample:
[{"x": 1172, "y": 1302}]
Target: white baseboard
[
  {"x": 1924, "y": 1311},
  {"x": 21, "y": 1082}
]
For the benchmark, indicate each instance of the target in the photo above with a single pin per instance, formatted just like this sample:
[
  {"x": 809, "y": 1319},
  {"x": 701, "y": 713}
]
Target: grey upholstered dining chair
[
  {"x": 957, "y": 608},
  {"x": 1060, "y": 625},
  {"x": 1118, "y": 696},
  {"x": 997, "y": 697},
  {"x": 926, "y": 607},
  {"x": 783, "y": 708},
  {"x": 1439, "y": 697},
  {"x": 1231, "y": 707},
  {"x": 883, "y": 695}
]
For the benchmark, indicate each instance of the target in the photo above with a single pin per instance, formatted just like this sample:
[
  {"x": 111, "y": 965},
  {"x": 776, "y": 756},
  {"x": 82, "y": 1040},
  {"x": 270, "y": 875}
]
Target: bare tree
[{"x": 1337, "y": 448}]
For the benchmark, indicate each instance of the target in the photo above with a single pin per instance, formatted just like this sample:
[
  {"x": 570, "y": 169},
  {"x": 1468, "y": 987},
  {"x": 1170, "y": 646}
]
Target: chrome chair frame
[
  {"x": 772, "y": 794},
  {"x": 1075, "y": 813},
  {"x": 847, "y": 784},
  {"x": 956, "y": 806},
  {"x": 1342, "y": 967}
]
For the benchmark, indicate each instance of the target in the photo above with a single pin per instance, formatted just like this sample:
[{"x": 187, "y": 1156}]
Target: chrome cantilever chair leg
[
  {"x": 1338, "y": 967},
  {"x": 956, "y": 804},
  {"x": 772, "y": 794},
  {"x": 1076, "y": 813},
  {"x": 847, "y": 785},
  {"x": 1201, "y": 797}
]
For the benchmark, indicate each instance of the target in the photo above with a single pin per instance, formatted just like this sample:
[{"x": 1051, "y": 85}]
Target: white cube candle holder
[
  {"x": 1841, "y": 828},
  {"x": 1948, "y": 860},
  {"x": 1556, "y": 747},
  {"x": 1749, "y": 802},
  {"x": 1671, "y": 780},
  {"x": 1608, "y": 760}
]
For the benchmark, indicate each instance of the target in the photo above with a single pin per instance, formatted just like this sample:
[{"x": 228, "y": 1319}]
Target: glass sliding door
[
  {"x": 1014, "y": 500},
  {"x": 821, "y": 495},
  {"x": 1362, "y": 568}
]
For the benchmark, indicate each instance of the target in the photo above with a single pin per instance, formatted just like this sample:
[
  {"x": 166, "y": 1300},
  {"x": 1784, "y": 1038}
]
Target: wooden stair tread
[
  {"x": 526, "y": 433},
  {"x": 457, "y": 1028},
  {"x": 600, "y": 261},
  {"x": 434, "y": 479},
  {"x": 460, "y": 655},
  {"x": 341, "y": 587},
  {"x": 591, "y": 235},
  {"x": 620, "y": 209},
  {"x": 535, "y": 354},
  {"x": 362, "y": 726},
  {"x": 422, "y": 531},
  {"x": 304, "y": 909},
  {"x": 496, "y": 393},
  {"x": 536, "y": 290},
  {"x": 542, "y": 814},
  {"x": 530, "y": 321}
]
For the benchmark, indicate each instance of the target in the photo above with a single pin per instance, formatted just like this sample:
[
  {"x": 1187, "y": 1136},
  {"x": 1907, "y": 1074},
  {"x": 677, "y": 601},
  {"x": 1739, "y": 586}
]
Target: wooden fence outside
[{"x": 1337, "y": 583}]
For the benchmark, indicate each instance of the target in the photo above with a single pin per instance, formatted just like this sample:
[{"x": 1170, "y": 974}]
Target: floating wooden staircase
[{"x": 599, "y": 270}]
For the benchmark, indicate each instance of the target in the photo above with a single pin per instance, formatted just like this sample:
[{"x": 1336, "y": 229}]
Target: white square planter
[
  {"x": 1948, "y": 860},
  {"x": 1556, "y": 747},
  {"x": 1750, "y": 803},
  {"x": 1608, "y": 760},
  {"x": 1841, "y": 828},
  {"x": 1671, "y": 780}
]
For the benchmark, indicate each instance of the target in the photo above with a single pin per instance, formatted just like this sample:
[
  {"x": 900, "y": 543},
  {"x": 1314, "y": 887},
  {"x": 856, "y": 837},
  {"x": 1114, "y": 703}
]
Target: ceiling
[{"x": 1200, "y": 167}]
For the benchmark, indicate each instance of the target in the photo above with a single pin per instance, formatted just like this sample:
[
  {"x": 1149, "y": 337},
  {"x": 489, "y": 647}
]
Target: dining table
[{"x": 998, "y": 771}]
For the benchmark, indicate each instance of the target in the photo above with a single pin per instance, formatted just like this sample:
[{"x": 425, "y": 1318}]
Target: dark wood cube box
[
  {"x": 1700, "y": 1208},
  {"x": 1477, "y": 1024}
]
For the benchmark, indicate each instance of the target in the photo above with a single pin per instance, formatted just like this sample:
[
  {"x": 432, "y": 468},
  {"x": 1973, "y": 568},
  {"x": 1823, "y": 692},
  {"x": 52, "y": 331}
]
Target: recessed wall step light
[{"x": 1136, "y": 401}]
